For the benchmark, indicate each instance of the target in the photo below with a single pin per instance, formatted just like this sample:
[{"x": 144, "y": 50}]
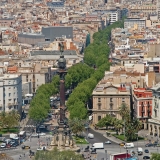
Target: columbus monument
[
  {"x": 62, "y": 138},
  {"x": 62, "y": 72}
]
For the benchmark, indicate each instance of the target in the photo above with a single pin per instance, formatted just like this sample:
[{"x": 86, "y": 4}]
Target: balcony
[
  {"x": 149, "y": 111},
  {"x": 15, "y": 103},
  {"x": 9, "y": 104}
]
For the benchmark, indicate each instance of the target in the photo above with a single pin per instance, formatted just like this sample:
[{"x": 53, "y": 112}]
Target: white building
[
  {"x": 10, "y": 92},
  {"x": 114, "y": 15},
  {"x": 154, "y": 123},
  {"x": 158, "y": 8}
]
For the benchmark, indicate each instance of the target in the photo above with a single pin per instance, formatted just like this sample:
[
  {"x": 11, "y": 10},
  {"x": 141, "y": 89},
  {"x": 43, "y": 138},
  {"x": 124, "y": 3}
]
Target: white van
[
  {"x": 98, "y": 146},
  {"x": 140, "y": 151},
  {"x": 129, "y": 145}
]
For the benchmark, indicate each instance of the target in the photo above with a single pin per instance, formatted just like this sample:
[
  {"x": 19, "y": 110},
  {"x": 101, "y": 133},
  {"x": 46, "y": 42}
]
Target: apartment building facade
[
  {"x": 108, "y": 99},
  {"x": 142, "y": 105},
  {"x": 11, "y": 92},
  {"x": 154, "y": 122}
]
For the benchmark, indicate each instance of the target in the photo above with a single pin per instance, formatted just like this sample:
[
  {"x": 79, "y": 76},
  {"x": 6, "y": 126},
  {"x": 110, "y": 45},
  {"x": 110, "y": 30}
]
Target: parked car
[
  {"x": 146, "y": 151},
  {"x": 7, "y": 141},
  {"x": 108, "y": 142},
  {"x": 8, "y": 145},
  {"x": 25, "y": 147},
  {"x": 3, "y": 145},
  {"x": 14, "y": 144},
  {"x": 146, "y": 157}
]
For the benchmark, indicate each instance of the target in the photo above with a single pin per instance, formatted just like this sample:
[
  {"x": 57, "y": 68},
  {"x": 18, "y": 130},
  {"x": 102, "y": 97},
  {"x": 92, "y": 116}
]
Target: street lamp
[
  {"x": 137, "y": 142},
  {"x": 106, "y": 154},
  {"x": 38, "y": 137}
]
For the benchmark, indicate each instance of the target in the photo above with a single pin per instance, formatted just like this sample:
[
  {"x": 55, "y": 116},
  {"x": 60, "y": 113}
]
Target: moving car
[
  {"x": 108, "y": 142},
  {"x": 86, "y": 149},
  {"x": 146, "y": 157},
  {"x": 146, "y": 151},
  {"x": 149, "y": 145},
  {"x": 90, "y": 135},
  {"x": 25, "y": 147},
  {"x": 122, "y": 144},
  {"x": 34, "y": 135},
  {"x": 93, "y": 151},
  {"x": 3, "y": 145},
  {"x": 42, "y": 134},
  {"x": 42, "y": 148}
]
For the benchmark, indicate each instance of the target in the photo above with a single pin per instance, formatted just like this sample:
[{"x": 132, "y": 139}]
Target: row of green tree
[
  {"x": 81, "y": 76},
  {"x": 40, "y": 105},
  {"x": 127, "y": 125},
  {"x": 96, "y": 54}
]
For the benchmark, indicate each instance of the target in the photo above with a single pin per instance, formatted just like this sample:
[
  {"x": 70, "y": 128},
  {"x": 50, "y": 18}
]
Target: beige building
[{"x": 107, "y": 99}]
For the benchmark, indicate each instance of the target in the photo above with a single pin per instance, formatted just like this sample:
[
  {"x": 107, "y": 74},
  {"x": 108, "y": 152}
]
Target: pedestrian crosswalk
[{"x": 30, "y": 126}]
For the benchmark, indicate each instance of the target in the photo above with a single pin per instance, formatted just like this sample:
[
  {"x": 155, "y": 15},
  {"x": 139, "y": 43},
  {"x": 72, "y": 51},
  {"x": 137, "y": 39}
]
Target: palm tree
[
  {"x": 137, "y": 124},
  {"x": 124, "y": 110},
  {"x": 118, "y": 125}
]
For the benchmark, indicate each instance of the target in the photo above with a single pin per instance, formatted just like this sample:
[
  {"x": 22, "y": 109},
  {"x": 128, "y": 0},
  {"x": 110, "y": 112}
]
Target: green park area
[
  {"x": 80, "y": 140},
  {"x": 123, "y": 138},
  {"x": 10, "y": 130}
]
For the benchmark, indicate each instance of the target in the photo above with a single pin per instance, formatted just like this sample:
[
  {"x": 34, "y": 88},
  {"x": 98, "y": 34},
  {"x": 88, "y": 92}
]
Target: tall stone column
[{"x": 62, "y": 92}]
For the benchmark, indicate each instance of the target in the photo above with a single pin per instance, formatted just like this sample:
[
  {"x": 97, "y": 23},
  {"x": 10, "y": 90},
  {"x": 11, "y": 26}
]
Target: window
[
  {"x": 99, "y": 99},
  {"x": 9, "y": 82},
  {"x": 99, "y": 118},
  {"x": 99, "y": 106},
  {"x": 9, "y": 94},
  {"x": 155, "y": 112},
  {"x": 111, "y": 99},
  {"x": 9, "y": 100},
  {"x": 111, "y": 106},
  {"x": 123, "y": 100}
]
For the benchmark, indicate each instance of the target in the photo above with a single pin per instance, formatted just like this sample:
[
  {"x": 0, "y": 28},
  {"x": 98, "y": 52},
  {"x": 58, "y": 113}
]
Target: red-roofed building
[
  {"x": 12, "y": 69},
  {"x": 142, "y": 105}
]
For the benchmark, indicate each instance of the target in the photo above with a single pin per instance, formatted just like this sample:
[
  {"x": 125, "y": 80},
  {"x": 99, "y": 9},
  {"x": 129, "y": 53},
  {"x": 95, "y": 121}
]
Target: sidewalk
[
  {"x": 23, "y": 123},
  {"x": 111, "y": 138},
  {"x": 142, "y": 133}
]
